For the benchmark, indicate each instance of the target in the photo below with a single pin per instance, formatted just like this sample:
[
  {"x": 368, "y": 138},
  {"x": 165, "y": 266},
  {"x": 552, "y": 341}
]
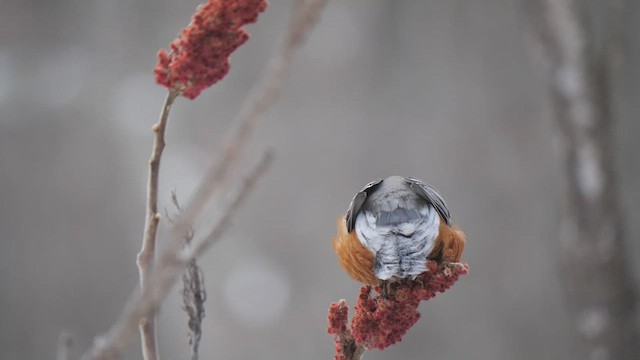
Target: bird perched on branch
[{"x": 392, "y": 227}]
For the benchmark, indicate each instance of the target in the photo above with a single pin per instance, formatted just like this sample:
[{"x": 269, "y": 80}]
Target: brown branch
[
  {"x": 175, "y": 258},
  {"x": 147, "y": 252},
  {"x": 600, "y": 291},
  {"x": 358, "y": 353},
  {"x": 350, "y": 350},
  {"x": 171, "y": 264}
]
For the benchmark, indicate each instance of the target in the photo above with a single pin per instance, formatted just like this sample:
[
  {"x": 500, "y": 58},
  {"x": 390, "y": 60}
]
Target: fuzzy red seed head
[
  {"x": 199, "y": 56},
  {"x": 380, "y": 322},
  {"x": 338, "y": 317}
]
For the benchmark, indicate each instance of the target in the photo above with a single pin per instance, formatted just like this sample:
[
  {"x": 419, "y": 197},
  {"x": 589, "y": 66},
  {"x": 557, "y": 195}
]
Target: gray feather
[
  {"x": 357, "y": 202},
  {"x": 430, "y": 194},
  {"x": 397, "y": 219}
]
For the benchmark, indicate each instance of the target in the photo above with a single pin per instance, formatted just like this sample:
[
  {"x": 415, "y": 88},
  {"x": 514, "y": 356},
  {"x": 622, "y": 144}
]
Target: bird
[{"x": 392, "y": 227}]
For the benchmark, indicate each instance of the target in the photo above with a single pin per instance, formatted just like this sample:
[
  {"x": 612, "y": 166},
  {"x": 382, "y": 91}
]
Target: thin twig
[
  {"x": 598, "y": 283},
  {"x": 303, "y": 18},
  {"x": 261, "y": 98},
  {"x": 111, "y": 345},
  {"x": 236, "y": 198},
  {"x": 170, "y": 265},
  {"x": 147, "y": 252}
]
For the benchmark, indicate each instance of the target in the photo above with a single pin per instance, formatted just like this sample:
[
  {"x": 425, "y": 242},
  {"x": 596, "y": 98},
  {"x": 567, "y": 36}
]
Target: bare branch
[
  {"x": 600, "y": 292},
  {"x": 147, "y": 252},
  {"x": 170, "y": 265},
  {"x": 176, "y": 258},
  {"x": 262, "y": 97},
  {"x": 237, "y": 197}
]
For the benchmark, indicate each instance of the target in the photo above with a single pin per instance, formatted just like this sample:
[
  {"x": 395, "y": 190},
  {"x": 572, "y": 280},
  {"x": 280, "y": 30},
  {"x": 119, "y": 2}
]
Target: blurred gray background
[{"x": 453, "y": 92}]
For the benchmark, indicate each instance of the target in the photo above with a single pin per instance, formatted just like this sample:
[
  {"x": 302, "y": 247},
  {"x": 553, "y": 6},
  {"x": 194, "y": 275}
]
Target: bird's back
[{"x": 399, "y": 227}]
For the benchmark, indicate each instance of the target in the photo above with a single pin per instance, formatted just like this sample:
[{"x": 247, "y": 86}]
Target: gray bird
[{"x": 392, "y": 227}]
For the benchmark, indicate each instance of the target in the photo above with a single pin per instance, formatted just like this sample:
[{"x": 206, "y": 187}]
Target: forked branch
[
  {"x": 169, "y": 267},
  {"x": 147, "y": 253}
]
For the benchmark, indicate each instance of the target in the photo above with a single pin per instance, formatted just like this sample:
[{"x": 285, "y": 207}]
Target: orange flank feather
[
  {"x": 358, "y": 261},
  {"x": 449, "y": 244},
  {"x": 354, "y": 258}
]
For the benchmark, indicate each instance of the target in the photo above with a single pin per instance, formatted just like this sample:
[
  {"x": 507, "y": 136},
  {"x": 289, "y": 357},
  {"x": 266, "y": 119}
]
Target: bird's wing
[
  {"x": 430, "y": 194},
  {"x": 357, "y": 202}
]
